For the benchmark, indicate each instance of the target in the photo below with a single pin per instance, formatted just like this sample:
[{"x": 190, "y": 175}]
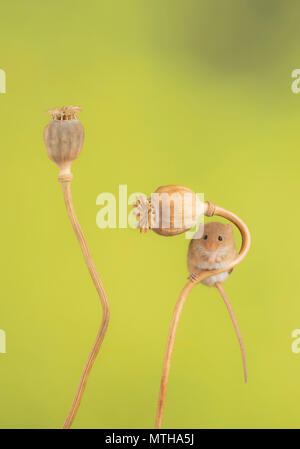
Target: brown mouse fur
[{"x": 212, "y": 250}]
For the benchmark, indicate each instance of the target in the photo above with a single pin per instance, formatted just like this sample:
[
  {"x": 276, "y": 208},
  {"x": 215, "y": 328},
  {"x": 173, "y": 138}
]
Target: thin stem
[
  {"x": 182, "y": 298},
  {"x": 236, "y": 327},
  {"x": 168, "y": 353},
  {"x": 66, "y": 186}
]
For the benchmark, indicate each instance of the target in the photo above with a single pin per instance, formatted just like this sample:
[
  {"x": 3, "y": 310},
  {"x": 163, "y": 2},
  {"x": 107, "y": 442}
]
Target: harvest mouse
[{"x": 214, "y": 250}]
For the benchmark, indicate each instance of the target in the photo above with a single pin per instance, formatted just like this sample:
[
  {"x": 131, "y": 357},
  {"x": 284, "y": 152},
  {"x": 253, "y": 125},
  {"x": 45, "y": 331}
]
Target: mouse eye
[
  {"x": 205, "y": 237},
  {"x": 220, "y": 238}
]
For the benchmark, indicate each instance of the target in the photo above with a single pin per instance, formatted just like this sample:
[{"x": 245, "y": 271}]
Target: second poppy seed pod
[
  {"x": 171, "y": 210},
  {"x": 64, "y": 136}
]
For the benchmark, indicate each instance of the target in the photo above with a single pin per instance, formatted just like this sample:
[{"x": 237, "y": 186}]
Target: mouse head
[{"x": 216, "y": 236}]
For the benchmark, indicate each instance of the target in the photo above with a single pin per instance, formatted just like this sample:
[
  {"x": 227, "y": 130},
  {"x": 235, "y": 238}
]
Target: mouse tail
[{"x": 236, "y": 327}]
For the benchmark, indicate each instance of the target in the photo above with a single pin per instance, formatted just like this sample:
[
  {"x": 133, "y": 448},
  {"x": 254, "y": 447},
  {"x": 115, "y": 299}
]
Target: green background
[{"x": 196, "y": 93}]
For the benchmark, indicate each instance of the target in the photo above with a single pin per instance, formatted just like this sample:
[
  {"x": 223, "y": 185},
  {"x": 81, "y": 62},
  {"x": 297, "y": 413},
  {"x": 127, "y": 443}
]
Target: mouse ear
[{"x": 229, "y": 226}]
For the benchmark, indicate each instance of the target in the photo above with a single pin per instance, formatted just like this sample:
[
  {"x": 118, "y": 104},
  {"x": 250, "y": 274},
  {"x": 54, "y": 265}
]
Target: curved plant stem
[
  {"x": 183, "y": 296},
  {"x": 66, "y": 186},
  {"x": 236, "y": 327},
  {"x": 168, "y": 353}
]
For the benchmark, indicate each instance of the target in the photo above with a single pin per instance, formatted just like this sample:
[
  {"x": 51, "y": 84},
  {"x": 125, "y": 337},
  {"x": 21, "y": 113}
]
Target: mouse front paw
[{"x": 193, "y": 277}]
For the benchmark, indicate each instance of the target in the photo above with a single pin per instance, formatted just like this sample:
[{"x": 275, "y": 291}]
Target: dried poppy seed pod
[
  {"x": 171, "y": 210},
  {"x": 64, "y": 136}
]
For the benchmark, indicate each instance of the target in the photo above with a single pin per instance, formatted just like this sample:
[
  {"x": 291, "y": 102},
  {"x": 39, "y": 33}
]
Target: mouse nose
[{"x": 211, "y": 246}]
